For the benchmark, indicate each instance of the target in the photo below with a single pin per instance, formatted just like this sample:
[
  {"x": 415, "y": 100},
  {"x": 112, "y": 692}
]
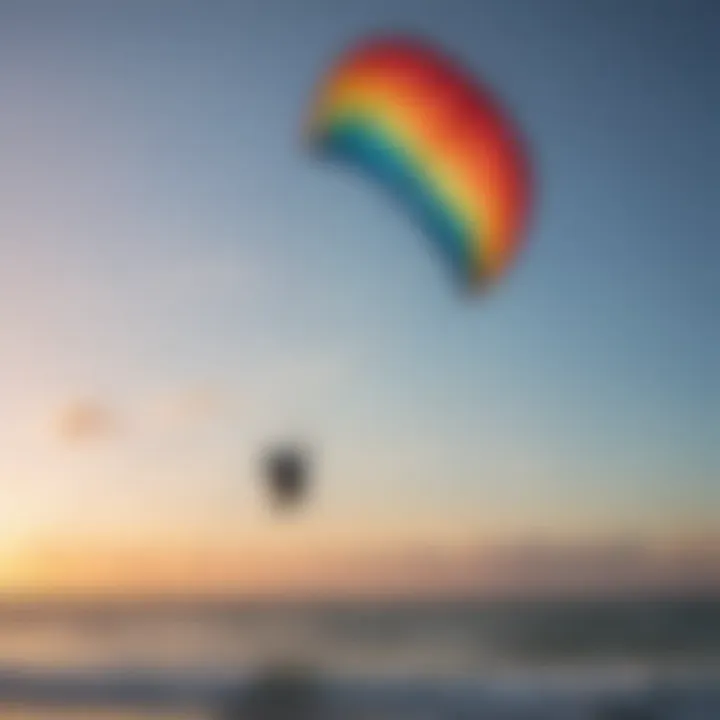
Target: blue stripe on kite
[{"x": 385, "y": 162}]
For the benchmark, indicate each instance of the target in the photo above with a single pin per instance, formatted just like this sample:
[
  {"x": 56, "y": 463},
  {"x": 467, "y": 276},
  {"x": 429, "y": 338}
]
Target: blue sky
[{"x": 164, "y": 233}]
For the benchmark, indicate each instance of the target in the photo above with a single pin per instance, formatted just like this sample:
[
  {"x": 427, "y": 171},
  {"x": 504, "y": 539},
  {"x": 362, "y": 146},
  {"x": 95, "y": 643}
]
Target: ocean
[{"x": 578, "y": 660}]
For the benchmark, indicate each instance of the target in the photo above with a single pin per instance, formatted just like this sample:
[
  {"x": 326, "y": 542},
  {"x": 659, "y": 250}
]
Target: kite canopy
[{"x": 413, "y": 120}]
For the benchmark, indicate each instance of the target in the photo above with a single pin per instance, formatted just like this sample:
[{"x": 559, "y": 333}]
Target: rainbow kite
[{"x": 415, "y": 121}]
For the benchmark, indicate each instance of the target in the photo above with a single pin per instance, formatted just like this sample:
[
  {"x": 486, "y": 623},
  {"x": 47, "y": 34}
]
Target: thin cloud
[
  {"x": 84, "y": 421},
  {"x": 531, "y": 569},
  {"x": 599, "y": 567}
]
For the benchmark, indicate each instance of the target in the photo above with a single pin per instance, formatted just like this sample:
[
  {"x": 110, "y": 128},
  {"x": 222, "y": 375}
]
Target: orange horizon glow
[{"x": 187, "y": 568}]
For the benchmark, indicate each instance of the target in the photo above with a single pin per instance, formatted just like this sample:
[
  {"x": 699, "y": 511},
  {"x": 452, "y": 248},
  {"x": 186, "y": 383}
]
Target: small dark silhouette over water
[
  {"x": 283, "y": 692},
  {"x": 286, "y": 468}
]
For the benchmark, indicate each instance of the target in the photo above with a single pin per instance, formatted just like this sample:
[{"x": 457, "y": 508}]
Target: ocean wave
[{"x": 611, "y": 695}]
